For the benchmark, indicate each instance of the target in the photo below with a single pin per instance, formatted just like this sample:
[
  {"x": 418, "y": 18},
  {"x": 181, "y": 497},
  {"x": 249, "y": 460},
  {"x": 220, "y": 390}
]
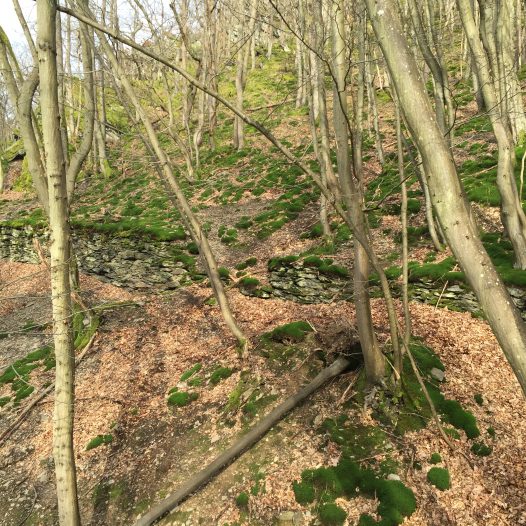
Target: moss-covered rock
[
  {"x": 439, "y": 477},
  {"x": 295, "y": 331},
  {"x": 332, "y": 515}
]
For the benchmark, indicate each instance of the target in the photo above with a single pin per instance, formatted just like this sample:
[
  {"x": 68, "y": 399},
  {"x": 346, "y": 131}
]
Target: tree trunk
[
  {"x": 59, "y": 251},
  {"x": 507, "y": 54},
  {"x": 447, "y": 194},
  {"x": 373, "y": 357},
  {"x": 403, "y": 220},
  {"x": 83, "y": 150},
  {"x": 22, "y": 100},
  {"x": 512, "y": 214},
  {"x": 196, "y": 231}
]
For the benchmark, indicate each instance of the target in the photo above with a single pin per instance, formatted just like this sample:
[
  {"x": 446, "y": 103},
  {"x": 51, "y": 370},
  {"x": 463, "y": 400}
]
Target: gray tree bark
[
  {"x": 448, "y": 197},
  {"x": 63, "y": 453},
  {"x": 512, "y": 214},
  {"x": 353, "y": 198}
]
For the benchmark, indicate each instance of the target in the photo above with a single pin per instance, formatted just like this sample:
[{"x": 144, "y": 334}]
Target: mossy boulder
[
  {"x": 295, "y": 331},
  {"x": 332, "y": 515},
  {"x": 439, "y": 477}
]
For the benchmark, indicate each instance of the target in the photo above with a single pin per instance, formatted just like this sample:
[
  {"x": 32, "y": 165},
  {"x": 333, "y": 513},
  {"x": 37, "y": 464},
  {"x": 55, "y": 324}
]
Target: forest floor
[
  {"x": 140, "y": 353},
  {"x": 133, "y": 446}
]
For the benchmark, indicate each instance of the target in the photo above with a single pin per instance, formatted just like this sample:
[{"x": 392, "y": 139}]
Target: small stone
[
  {"x": 393, "y": 476},
  {"x": 43, "y": 478},
  {"x": 286, "y": 518},
  {"x": 437, "y": 374}
]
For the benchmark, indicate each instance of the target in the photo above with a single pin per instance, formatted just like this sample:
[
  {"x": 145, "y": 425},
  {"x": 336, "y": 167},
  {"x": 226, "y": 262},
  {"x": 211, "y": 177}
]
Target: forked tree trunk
[
  {"x": 59, "y": 246},
  {"x": 448, "y": 197}
]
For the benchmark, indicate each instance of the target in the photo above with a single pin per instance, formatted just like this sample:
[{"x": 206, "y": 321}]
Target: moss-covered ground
[{"x": 368, "y": 464}]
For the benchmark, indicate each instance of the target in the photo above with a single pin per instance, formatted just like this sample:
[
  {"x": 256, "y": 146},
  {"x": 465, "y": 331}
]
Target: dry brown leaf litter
[{"x": 141, "y": 353}]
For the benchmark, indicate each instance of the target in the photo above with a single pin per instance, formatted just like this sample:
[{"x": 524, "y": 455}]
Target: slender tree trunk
[
  {"x": 2, "y": 175},
  {"x": 512, "y": 214},
  {"x": 61, "y": 90},
  {"x": 22, "y": 100},
  {"x": 59, "y": 251},
  {"x": 195, "y": 228},
  {"x": 373, "y": 357},
  {"x": 403, "y": 220},
  {"x": 25, "y": 29},
  {"x": 448, "y": 196},
  {"x": 371, "y": 95},
  {"x": 507, "y": 53},
  {"x": 77, "y": 160},
  {"x": 69, "y": 82}
]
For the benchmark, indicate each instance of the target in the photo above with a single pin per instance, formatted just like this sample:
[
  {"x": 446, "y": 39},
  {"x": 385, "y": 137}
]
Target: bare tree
[
  {"x": 448, "y": 197},
  {"x": 512, "y": 214},
  {"x": 60, "y": 260}
]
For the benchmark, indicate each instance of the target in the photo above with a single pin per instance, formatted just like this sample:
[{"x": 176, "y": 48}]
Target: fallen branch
[{"x": 252, "y": 437}]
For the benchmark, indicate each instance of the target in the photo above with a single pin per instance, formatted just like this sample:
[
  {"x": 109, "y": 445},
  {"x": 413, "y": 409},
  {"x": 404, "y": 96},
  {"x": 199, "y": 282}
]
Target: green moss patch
[
  {"x": 332, "y": 515},
  {"x": 347, "y": 479},
  {"x": 19, "y": 373},
  {"x": 242, "y": 500},
  {"x": 220, "y": 373},
  {"x": 190, "y": 372},
  {"x": 435, "y": 458},
  {"x": 356, "y": 441},
  {"x": 439, "y": 477},
  {"x": 248, "y": 282},
  {"x": 99, "y": 440},
  {"x": 178, "y": 398},
  {"x": 409, "y": 409},
  {"x": 277, "y": 262},
  {"x": 326, "y": 266},
  {"x": 303, "y": 492},
  {"x": 295, "y": 331},
  {"x": 250, "y": 262},
  {"x": 480, "y": 449}
]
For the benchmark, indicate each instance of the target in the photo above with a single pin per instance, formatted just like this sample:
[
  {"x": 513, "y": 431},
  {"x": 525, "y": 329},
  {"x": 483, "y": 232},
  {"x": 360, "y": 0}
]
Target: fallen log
[{"x": 169, "y": 503}]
